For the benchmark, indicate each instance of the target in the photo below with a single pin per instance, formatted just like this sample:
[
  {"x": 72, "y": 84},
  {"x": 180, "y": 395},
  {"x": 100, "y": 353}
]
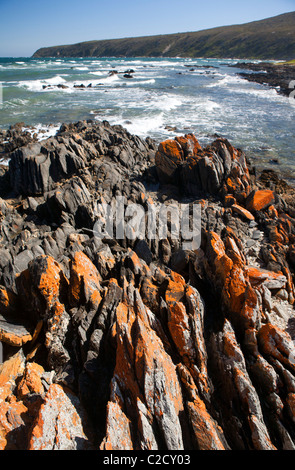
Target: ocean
[{"x": 156, "y": 97}]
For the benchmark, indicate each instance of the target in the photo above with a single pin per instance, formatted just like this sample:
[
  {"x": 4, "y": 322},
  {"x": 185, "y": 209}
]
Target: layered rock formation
[{"x": 138, "y": 344}]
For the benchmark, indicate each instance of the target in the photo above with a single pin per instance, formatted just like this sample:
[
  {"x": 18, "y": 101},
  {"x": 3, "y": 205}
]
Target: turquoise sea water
[{"x": 202, "y": 96}]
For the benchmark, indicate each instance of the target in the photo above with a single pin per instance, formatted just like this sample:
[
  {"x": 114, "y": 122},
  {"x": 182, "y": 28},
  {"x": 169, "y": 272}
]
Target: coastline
[
  {"x": 109, "y": 337},
  {"x": 21, "y": 134},
  {"x": 275, "y": 75},
  {"x": 163, "y": 98}
]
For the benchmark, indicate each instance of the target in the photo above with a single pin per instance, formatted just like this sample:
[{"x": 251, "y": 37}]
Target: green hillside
[{"x": 272, "y": 38}]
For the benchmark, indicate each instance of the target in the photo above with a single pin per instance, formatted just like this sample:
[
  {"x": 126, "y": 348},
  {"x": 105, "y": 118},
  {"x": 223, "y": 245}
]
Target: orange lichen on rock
[
  {"x": 49, "y": 281},
  {"x": 175, "y": 289},
  {"x": 272, "y": 212},
  {"x": 137, "y": 265},
  {"x": 118, "y": 434},
  {"x": 229, "y": 200},
  {"x": 208, "y": 434},
  {"x": 167, "y": 159},
  {"x": 217, "y": 258},
  {"x": 276, "y": 343},
  {"x": 179, "y": 327},
  {"x": 257, "y": 276},
  {"x": 10, "y": 370},
  {"x": 234, "y": 292},
  {"x": 250, "y": 310},
  {"x": 151, "y": 359},
  {"x": 149, "y": 294},
  {"x": 11, "y": 411},
  {"x": 142, "y": 366},
  {"x": 189, "y": 343},
  {"x": 260, "y": 199},
  {"x": 58, "y": 425},
  {"x": 15, "y": 339},
  {"x": 31, "y": 380},
  {"x": 12, "y": 423},
  {"x": 228, "y": 270},
  {"x": 8, "y": 301},
  {"x": 189, "y": 144},
  {"x": 171, "y": 149},
  {"x": 243, "y": 212},
  {"x": 231, "y": 186},
  {"x": 84, "y": 281}
]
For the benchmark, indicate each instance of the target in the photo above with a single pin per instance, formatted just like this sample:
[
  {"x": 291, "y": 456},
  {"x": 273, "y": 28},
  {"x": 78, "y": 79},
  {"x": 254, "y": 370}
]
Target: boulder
[
  {"x": 260, "y": 199},
  {"x": 218, "y": 168}
]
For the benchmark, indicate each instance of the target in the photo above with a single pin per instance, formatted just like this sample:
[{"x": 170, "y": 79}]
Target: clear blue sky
[{"x": 27, "y": 25}]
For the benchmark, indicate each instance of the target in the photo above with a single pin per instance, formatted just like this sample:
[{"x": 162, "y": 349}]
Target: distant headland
[{"x": 271, "y": 38}]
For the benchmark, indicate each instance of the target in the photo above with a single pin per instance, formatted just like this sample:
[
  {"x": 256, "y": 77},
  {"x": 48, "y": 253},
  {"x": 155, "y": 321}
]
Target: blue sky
[{"x": 27, "y": 25}]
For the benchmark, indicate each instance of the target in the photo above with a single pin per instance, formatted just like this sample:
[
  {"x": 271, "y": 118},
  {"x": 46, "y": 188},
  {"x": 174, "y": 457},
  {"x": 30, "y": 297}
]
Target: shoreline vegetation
[{"x": 139, "y": 344}]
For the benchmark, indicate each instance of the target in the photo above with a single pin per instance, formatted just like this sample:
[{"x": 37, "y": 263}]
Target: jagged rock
[
  {"x": 239, "y": 390},
  {"x": 35, "y": 168},
  {"x": 152, "y": 371},
  {"x": 269, "y": 279},
  {"x": 84, "y": 281},
  {"x": 216, "y": 168},
  {"x": 142, "y": 250},
  {"x": 208, "y": 435},
  {"x": 167, "y": 159},
  {"x": 159, "y": 347},
  {"x": 186, "y": 329},
  {"x": 42, "y": 286},
  {"x": 59, "y": 424},
  {"x": 118, "y": 435},
  {"x": 12, "y": 424}
]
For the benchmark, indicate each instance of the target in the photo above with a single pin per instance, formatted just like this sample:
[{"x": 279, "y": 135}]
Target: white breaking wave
[
  {"x": 37, "y": 85},
  {"x": 141, "y": 126},
  {"x": 163, "y": 98},
  {"x": 206, "y": 105},
  {"x": 43, "y": 132},
  {"x": 226, "y": 80},
  {"x": 140, "y": 82},
  {"x": 97, "y": 72},
  {"x": 262, "y": 92}
]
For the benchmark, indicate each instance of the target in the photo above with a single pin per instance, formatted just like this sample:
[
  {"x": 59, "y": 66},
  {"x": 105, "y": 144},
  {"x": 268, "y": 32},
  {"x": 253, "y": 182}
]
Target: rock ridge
[{"x": 137, "y": 343}]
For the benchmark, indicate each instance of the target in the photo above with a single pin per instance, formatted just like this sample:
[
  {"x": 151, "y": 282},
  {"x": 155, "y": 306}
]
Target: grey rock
[
  {"x": 142, "y": 249},
  {"x": 22, "y": 260}
]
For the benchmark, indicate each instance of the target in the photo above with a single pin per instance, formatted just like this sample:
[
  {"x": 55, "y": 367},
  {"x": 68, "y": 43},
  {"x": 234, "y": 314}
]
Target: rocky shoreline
[
  {"x": 139, "y": 344},
  {"x": 275, "y": 75}
]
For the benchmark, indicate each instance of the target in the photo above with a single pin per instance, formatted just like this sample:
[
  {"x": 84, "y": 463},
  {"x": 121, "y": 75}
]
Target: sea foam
[{"x": 37, "y": 85}]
